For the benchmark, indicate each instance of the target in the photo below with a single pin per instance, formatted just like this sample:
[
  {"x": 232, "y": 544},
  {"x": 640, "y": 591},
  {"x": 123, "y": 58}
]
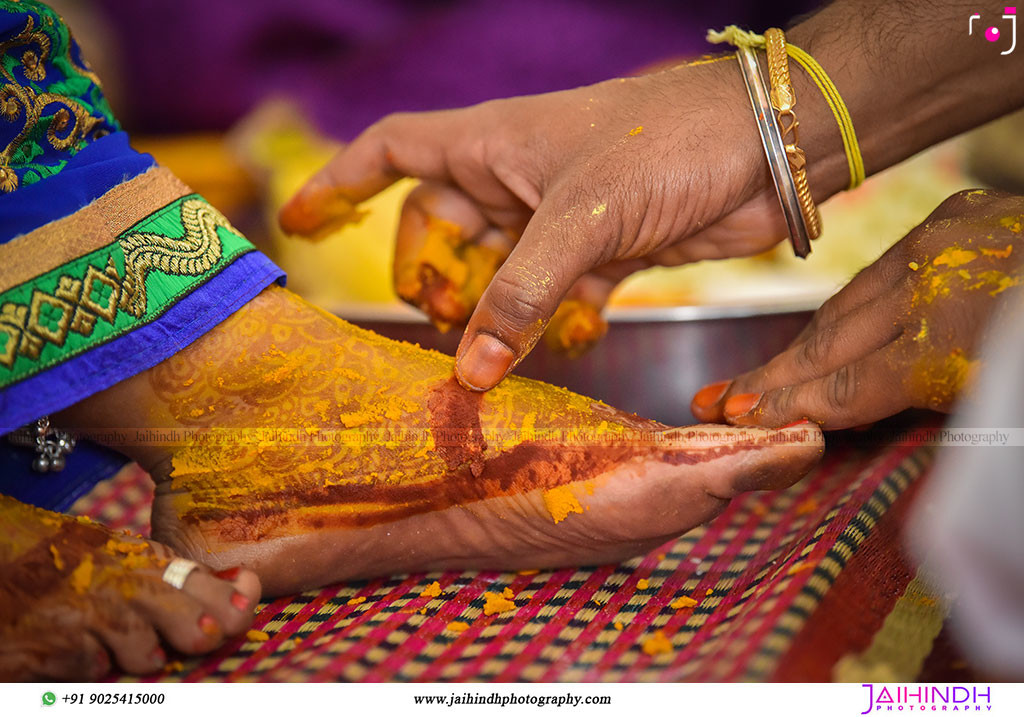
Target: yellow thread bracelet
[{"x": 742, "y": 38}]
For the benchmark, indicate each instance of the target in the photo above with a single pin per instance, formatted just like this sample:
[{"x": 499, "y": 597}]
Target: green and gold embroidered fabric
[
  {"x": 51, "y": 103},
  {"x": 115, "y": 288}
]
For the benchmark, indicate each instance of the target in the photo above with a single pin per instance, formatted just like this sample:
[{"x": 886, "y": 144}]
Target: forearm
[{"x": 910, "y": 75}]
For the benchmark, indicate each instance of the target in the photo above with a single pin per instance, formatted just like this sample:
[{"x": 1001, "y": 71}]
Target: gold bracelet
[{"x": 783, "y": 99}]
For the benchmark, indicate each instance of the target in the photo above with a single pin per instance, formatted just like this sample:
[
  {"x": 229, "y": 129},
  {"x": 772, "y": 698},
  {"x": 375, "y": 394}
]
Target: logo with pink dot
[{"x": 994, "y": 33}]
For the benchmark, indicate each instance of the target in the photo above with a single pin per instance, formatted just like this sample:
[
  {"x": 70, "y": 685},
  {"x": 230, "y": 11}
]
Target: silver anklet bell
[{"x": 51, "y": 445}]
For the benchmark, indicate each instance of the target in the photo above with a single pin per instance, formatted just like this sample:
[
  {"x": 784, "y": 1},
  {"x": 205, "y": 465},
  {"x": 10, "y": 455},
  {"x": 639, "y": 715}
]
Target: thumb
[{"x": 555, "y": 250}]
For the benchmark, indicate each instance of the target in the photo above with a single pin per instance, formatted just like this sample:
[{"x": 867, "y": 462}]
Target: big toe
[{"x": 208, "y": 608}]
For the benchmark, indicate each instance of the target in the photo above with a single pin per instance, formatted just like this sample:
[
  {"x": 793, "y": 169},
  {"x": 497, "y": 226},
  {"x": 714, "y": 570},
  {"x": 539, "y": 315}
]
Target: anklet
[{"x": 51, "y": 445}]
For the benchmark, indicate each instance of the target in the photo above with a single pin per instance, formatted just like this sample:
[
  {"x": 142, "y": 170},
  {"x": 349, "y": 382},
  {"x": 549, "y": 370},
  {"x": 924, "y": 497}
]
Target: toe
[
  {"x": 205, "y": 611},
  {"x": 229, "y": 596},
  {"x": 181, "y": 619},
  {"x": 132, "y": 641}
]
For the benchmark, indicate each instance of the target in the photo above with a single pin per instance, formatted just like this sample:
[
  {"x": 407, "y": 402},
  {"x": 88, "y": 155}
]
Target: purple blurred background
[{"x": 202, "y": 64}]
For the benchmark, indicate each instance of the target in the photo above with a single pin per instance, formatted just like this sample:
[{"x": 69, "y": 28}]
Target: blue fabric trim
[
  {"x": 87, "y": 176},
  {"x": 105, "y": 365},
  {"x": 87, "y": 465}
]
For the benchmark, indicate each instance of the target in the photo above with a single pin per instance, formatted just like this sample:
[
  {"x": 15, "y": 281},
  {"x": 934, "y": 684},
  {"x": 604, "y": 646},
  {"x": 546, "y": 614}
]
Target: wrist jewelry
[
  {"x": 779, "y": 72},
  {"x": 783, "y": 99},
  {"x": 775, "y": 150}
]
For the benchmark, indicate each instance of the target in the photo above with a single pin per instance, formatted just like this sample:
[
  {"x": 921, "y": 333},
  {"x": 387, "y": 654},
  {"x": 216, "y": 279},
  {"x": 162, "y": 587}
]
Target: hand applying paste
[
  {"x": 562, "y": 195},
  {"x": 903, "y": 334}
]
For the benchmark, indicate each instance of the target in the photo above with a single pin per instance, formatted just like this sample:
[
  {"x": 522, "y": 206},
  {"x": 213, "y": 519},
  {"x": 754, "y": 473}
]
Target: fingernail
[
  {"x": 485, "y": 362},
  {"x": 711, "y": 394},
  {"x": 158, "y": 656},
  {"x": 741, "y": 404},
  {"x": 208, "y": 625},
  {"x": 230, "y": 574},
  {"x": 240, "y": 601}
]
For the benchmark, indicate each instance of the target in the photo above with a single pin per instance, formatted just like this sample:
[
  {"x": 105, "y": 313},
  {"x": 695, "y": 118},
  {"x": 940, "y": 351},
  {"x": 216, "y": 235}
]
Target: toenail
[
  {"x": 208, "y": 625},
  {"x": 485, "y": 362},
  {"x": 240, "y": 601},
  {"x": 229, "y": 575},
  {"x": 741, "y": 404},
  {"x": 711, "y": 394}
]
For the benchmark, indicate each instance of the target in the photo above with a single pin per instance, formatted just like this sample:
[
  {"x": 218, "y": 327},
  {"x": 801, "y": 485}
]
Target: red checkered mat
[{"x": 768, "y": 578}]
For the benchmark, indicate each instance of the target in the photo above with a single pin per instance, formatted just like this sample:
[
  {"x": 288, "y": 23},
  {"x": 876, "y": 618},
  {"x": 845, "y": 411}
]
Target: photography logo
[
  {"x": 994, "y": 34},
  {"x": 884, "y": 698}
]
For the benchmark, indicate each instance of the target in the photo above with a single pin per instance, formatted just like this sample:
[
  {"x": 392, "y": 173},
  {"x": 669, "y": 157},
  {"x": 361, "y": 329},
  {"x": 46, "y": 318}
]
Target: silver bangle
[{"x": 775, "y": 151}]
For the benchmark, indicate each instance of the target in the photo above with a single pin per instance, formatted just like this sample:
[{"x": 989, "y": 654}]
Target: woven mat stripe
[
  {"x": 354, "y": 630},
  {"x": 730, "y": 522},
  {"x": 859, "y": 599},
  {"x": 728, "y": 560},
  {"x": 243, "y": 663},
  {"x": 531, "y": 614},
  {"x": 700, "y": 542},
  {"x": 795, "y": 553},
  {"x": 366, "y": 629},
  {"x": 885, "y": 476},
  {"x": 581, "y": 598},
  {"x": 448, "y": 648},
  {"x": 608, "y": 616},
  {"x": 746, "y": 611},
  {"x": 828, "y": 492},
  {"x": 747, "y": 586},
  {"x": 416, "y": 643},
  {"x": 335, "y": 602},
  {"x": 787, "y": 590},
  {"x": 754, "y": 584},
  {"x": 219, "y": 664},
  {"x": 665, "y": 565},
  {"x": 710, "y": 536},
  {"x": 334, "y": 618},
  {"x": 123, "y": 501}
]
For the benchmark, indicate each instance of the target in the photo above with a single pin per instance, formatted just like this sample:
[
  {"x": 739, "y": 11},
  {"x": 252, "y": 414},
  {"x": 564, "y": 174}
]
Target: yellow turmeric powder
[
  {"x": 656, "y": 644},
  {"x": 81, "y": 576},
  {"x": 560, "y": 502},
  {"x": 496, "y": 603}
]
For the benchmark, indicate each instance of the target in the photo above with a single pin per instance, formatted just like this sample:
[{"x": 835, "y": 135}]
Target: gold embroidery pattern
[
  {"x": 71, "y": 122},
  {"x": 191, "y": 255},
  {"x": 74, "y": 306}
]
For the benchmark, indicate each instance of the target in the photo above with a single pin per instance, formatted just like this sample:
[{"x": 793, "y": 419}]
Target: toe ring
[{"x": 178, "y": 571}]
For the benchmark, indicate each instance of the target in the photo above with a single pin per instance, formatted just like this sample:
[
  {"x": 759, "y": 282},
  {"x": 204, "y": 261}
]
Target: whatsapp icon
[{"x": 49, "y": 698}]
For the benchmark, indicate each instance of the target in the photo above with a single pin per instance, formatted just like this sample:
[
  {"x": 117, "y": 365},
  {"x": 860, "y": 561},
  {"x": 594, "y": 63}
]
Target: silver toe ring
[{"x": 178, "y": 571}]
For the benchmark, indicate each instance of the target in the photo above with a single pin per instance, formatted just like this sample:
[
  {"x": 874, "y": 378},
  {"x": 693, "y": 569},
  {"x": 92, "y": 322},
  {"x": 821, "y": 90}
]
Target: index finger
[{"x": 400, "y": 145}]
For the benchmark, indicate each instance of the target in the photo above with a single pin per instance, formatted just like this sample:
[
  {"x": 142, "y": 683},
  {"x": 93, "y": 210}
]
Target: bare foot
[
  {"x": 320, "y": 452},
  {"x": 76, "y": 598}
]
